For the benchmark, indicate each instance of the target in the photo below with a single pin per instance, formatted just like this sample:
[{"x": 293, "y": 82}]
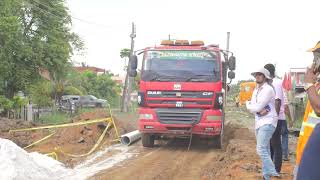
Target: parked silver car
[
  {"x": 70, "y": 101},
  {"x": 92, "y": 101}
]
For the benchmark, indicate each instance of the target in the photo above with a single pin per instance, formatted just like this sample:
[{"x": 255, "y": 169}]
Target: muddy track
[{"x": 171, "y": 160}]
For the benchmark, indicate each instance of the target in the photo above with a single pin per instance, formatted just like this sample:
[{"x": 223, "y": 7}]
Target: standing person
[
  {"x": 279, "y": 140},
  {"x": 285, "y": 130},
  {"x": 262, "y": 105},
  {"x": 287, "y": 109},
  {"x": 309, "y": 147}
]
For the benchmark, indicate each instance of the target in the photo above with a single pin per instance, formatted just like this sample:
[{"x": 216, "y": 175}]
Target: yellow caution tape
[
  {"x": 47, "y": 137},
  {"x": 63, "y": 125},
  {"x": 114, "y": 125},
  {"x": 116, "y": 140},
  {"x": 110, "y": 121},
  {"x": 54, "y": 155},
  {"x": 93, "y": 148}
]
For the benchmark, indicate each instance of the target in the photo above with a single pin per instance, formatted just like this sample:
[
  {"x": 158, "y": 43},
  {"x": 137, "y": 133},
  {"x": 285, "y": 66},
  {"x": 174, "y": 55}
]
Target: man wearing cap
[
  {"x": 279, "y": 140},
  {"x": 309, "y": 147},
  {"x": 262, "y": 106}
]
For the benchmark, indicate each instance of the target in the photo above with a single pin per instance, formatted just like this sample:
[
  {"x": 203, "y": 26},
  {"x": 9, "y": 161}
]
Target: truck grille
[
  {"x": 180, "y": 94},
  {"x": 179, "y": 116},
  {"x": 184, "y": 102}
]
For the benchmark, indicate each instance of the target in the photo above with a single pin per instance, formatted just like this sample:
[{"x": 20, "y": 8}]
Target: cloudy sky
[{"x": 262, "y": 31}]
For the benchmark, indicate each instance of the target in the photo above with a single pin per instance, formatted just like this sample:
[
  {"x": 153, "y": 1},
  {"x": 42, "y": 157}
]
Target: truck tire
[
  {"x": 147, "y": 140},
  {"x": 217, "y": 142},
  {"x": 98, "y": 105}
]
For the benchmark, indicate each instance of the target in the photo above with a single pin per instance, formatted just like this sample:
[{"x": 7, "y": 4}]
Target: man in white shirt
[
  {"x": 262, "y": 105},
  {"x": 279, "y": 149}
]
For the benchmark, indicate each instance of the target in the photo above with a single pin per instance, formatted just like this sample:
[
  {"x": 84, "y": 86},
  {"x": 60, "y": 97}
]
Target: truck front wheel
[
  {"x": 147, "y": 140},
  {"x": 217, "y": 142}
]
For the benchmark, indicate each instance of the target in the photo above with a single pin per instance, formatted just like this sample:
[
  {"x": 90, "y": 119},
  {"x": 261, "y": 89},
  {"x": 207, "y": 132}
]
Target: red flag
[
  {"x": 284, "y": 81},
  {"x": 289, "y": 82}
]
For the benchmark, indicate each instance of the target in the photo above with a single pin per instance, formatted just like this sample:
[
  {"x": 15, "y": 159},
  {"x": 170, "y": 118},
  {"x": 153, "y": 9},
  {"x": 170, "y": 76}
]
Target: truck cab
[{"x": 182, "y": 90}]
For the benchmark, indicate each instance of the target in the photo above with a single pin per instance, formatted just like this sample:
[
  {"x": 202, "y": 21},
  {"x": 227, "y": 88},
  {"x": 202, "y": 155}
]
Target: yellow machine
[{"x": 246, "y": 90}]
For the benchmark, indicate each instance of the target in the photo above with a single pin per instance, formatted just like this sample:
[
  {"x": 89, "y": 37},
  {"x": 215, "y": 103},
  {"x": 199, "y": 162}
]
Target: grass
[
  {"x": 297, "y": 123},
  {"x": 83, "y": 110},
  {"x": 124, "y": 114},
  {"x": 55, "y": 118}
]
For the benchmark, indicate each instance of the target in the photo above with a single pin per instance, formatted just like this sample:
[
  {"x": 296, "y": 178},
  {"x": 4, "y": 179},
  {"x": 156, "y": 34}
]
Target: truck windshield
[{"x": 181, "y": 65}]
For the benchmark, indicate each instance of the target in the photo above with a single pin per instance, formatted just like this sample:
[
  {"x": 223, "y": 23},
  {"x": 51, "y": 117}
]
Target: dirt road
[{"x": 172, "y": 160}]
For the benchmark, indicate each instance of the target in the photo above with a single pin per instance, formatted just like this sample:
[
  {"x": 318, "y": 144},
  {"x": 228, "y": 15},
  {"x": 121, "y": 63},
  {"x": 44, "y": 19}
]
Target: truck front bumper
[{"x": 206, "y": 129}]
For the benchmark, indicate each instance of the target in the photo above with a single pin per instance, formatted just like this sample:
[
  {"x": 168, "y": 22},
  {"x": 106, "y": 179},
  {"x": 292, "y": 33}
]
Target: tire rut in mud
[{"x": 171, "y": 160}]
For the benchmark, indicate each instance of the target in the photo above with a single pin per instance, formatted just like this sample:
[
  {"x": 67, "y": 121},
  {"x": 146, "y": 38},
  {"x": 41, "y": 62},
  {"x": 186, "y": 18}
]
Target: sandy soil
[
  {"x": 171, "y": 159},
  {"x": 74, "y": 140}
]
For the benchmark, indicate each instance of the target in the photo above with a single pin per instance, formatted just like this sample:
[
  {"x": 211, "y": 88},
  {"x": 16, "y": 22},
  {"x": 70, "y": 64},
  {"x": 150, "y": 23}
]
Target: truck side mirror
[
  {"x": 132, "y": 72},
  {"x": 133, "y": 60},
  {"x": 231, "y": 75},
  {"x": 232, "y": 63}
]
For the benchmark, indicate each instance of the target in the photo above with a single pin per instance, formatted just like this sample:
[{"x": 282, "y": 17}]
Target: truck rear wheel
[{"x": 147, "y": 140}]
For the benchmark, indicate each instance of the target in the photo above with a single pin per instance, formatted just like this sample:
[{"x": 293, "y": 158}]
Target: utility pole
[
  {"x": 225, "y": 88},
  {"x": 129, "y": 80}
]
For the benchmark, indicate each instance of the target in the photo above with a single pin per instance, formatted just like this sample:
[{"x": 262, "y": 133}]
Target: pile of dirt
[
  {"x": 22, "y": 139},
  {"x": 97, "y": 114},
  {"x": 240, "y": 160},
  {"x": 73, "y": 140}
]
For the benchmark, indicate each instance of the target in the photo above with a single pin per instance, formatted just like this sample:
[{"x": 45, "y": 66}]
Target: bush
[
  {"x": 6, "y": 103},
  {"x": 40, "y": 93}
]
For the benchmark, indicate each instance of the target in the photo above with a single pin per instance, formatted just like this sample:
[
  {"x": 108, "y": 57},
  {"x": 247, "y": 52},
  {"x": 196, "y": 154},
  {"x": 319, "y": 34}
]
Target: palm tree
[{"x": 125, "y": 53}]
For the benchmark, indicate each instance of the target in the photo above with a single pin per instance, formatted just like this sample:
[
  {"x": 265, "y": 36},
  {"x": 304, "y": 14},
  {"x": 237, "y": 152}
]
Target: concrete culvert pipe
[{"x": 130, "y": 137}]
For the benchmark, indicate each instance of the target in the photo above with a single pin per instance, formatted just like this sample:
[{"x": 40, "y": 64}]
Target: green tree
[
  {"x": 34, "y": 35},
  {"x": 41, "y": 93},
  {"x": 88, "y": 83},
  {"x": 106, "y": 88},
  {"x": 136, "y": 82},
  {"x": 125, "y": 53}
]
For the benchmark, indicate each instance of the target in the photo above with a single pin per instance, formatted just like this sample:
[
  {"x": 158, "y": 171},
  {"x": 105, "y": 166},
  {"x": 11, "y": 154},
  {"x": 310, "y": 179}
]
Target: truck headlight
[
  {"x": 213, "y": 118},
  {"x": 146, "y": 116}
]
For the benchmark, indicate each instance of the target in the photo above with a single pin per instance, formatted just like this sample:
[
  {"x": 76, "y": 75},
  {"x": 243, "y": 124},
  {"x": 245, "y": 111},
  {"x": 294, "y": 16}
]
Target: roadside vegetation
[{"x": 36, "y": 45}]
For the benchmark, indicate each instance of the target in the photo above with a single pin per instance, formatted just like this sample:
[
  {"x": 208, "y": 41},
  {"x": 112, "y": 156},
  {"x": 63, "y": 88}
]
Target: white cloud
[{"x": 261, "y": 31}]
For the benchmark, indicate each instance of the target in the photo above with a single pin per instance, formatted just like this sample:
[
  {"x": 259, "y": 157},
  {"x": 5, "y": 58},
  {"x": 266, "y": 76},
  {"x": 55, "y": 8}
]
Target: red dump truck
[{"x": 182, "y": 90}]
